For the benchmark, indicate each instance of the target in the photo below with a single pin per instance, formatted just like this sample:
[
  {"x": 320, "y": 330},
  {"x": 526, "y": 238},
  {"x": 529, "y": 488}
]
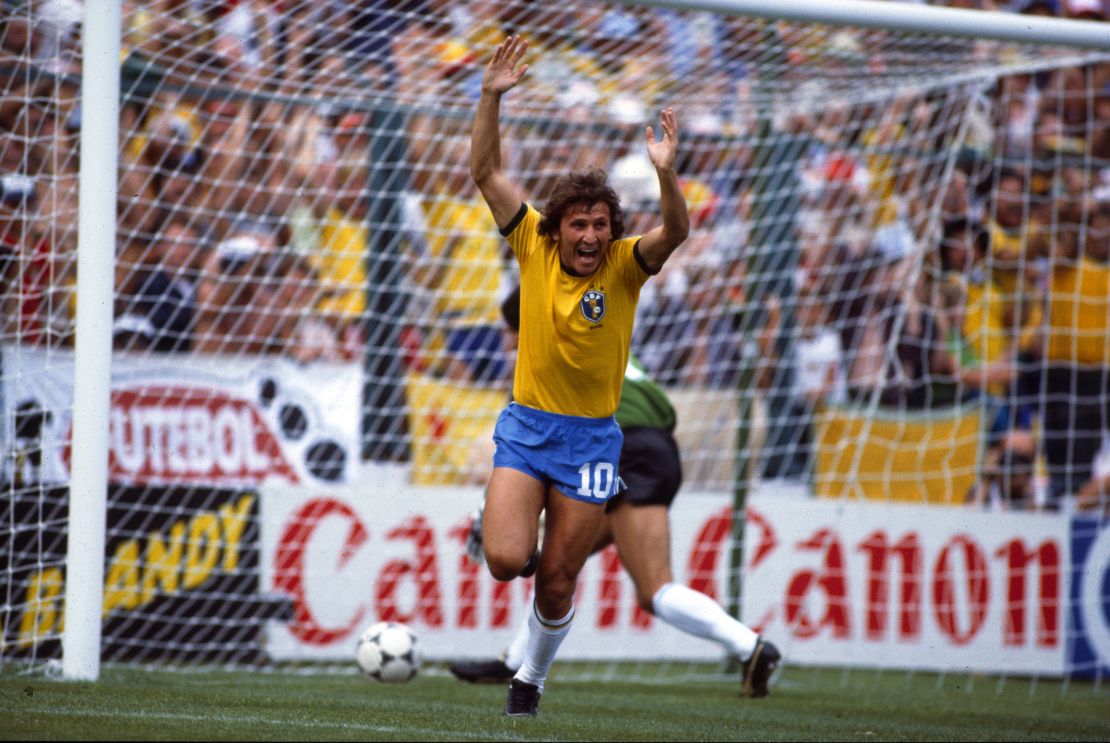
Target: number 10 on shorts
[{"x": 601, "y": 474}]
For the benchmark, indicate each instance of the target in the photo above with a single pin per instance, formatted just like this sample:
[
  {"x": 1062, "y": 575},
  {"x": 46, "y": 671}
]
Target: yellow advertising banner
[
  {"x": 452, "y": 430},
  {"x": 927, "y": 458}
]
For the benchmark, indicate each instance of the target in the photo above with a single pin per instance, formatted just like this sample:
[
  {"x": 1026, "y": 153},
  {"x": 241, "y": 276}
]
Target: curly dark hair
[{"x": 581, "y": 187}]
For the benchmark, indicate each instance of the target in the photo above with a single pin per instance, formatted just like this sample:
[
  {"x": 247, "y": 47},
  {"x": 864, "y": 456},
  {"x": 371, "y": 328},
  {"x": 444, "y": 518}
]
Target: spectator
[
  {"x": 224, "y": 124},
  {"x": 1097, "y": 243},
  {"x": 351, "y": 135},
  {"x": 1007, "y": 480},
  {"x": 728, "y": 332},
  {"x": 20, "y": 41},
  {"x": 1075, "y": 410},
  {"x": 1048, "y": 8},
  {"x": 874, "y": 298},
  {"x": 164, "y": 300},
  {"x": 340, "y": 260},
  {"x": 24, "y": 264},
  {"x": 921, "y": 354},
  {"x": 1007, "y": 406},
  {"x": 1003, "y": 309},
  {"x": 1017, "y": 101},
  {"x": 281, "y": 317},
  {"x": 818, "y": 380},
  {"x": 1094, "y": 496},
  {"x": 963, "y": 248},
  {"x": 225, "y": 290},
  {"x": 568, "y": 61},
  {"x": 429, "y": 58},
  {"x": 173, "y": 35},
  {"x": 630, "y": 61},
  {"x": 1091, "y": 10},
  {"x": 465, "y": 272}
]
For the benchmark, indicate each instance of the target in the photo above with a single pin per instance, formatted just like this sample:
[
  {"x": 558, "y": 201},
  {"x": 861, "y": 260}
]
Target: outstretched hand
[
  {"x": 504, "y": 71},
  {"x": 664, "y": 151}
]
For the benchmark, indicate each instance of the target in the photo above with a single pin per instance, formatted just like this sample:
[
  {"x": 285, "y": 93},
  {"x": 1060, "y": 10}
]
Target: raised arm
[
  {"x": 503, "y": 72},
  {"x": 657, "y": 245}
]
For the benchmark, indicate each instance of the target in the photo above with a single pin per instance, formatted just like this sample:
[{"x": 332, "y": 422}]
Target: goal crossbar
[{"x": 899, "y": 16}]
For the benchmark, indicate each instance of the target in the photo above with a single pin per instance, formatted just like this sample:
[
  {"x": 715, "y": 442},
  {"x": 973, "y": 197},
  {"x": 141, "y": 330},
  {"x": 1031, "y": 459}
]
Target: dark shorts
[{"x": 650, "y": 467}]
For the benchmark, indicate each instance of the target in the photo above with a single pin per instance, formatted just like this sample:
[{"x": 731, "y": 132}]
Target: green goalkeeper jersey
[{"x": 643, "y": 402}]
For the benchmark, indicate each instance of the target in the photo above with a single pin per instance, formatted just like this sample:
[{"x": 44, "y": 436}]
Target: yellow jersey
[
  {"x": 463, "y": 237},
  {"x": 575, "y": 331},
  {"x": 1079, "y": 314},
  {"x": 341, "y": 265}
]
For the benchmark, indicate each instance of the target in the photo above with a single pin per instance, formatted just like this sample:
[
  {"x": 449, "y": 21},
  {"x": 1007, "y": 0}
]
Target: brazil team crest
[{"x": 593, "y": 305}]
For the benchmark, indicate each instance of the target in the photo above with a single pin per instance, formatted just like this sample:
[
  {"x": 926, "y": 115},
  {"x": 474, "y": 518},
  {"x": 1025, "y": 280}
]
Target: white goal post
[{"x": 93, "y": 357}]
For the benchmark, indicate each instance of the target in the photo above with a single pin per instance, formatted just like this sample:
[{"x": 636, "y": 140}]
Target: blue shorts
[{"x": 577, "y": 455}]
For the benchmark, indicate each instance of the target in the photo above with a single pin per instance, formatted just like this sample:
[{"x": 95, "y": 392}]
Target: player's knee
[
  {"x": 503, "y": 565},
  {"x": 553, "y": 604},
  {"x": 556, "y": 582}
]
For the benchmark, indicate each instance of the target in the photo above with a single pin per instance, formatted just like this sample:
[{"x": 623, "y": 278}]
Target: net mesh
[{"x": 895, "y": 286}]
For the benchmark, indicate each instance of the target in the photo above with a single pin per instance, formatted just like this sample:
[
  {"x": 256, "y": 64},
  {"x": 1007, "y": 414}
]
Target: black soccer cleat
[
  {"x": 758, "y": 669},
  {"x": 523, "y": 701},
  {"x": 482, "y": 671}
]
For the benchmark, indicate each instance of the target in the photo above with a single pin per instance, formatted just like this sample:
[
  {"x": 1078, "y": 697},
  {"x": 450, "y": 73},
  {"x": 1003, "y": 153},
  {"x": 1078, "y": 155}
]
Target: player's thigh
[
  {"x": 643, "y": 538},
  {"x": 604, "y": 535},
  {"x": 511, "y": 516}
]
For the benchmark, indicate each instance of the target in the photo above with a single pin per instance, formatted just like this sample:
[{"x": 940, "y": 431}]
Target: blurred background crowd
[{"x": 247, "y": 179}]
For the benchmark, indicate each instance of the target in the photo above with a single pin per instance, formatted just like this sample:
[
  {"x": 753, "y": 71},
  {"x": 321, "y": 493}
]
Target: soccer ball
[{"x": 388, "y": 651}]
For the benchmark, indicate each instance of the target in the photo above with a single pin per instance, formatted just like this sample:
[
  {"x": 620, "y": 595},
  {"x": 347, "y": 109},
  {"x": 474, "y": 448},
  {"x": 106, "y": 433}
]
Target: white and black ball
[{"x": 388, "y": 652}]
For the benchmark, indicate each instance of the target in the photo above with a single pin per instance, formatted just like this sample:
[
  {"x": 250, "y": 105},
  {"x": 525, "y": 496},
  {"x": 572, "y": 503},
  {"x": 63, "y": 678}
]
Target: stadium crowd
[{"x": 243, "y": 211}]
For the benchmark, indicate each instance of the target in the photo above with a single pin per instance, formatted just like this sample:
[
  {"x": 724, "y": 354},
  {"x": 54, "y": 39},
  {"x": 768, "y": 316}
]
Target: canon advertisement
[{"x": 841, "y": 584}]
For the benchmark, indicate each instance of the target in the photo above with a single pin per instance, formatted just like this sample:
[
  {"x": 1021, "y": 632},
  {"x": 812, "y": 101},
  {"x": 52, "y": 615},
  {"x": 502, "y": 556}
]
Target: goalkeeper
[
  {"x": 557, "y": 443},
  {"x": 636, "y": 520}
]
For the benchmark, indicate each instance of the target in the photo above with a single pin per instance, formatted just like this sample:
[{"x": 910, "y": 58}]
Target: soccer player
[
  {"x": 557, "y": 443},
  {"x": 636, "y": 520}
]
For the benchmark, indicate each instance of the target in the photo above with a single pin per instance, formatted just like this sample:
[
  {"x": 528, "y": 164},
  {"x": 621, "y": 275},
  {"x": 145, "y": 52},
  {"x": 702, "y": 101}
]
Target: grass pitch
[{"x": 806, "y": 705}]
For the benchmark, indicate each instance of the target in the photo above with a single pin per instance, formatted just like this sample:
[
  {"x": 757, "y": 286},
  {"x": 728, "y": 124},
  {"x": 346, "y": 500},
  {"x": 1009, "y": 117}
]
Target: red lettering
[
  {"x": 879, "y": 550},
  {"x": 468, "y": 580},
  {"x": 702, "y": 565},
  {"x": 501, "y": 610},
  {"x": 609, "y": 594},
  {"x": 830, "y": 579},
  {"x": 944, "y": 589},
  {"x": 173, "y": 434},
  {"x": 609, "y": 589},
  {"x": 423, "y": 570},
  {"x": 500, "y": 605},
  {"x": 766, "y": 542},
  {"x": 1018, "y": 557},
  {"x": 289, "y": 567}
]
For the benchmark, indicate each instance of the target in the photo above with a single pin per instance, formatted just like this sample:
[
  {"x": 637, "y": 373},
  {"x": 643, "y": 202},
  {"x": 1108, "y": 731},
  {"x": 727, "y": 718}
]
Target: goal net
[{"x": 894, "y": 296}]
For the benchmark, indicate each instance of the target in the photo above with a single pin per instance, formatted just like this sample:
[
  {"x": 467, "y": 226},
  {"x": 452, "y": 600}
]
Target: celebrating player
[
  {"x": 557, "y": 443},
  {"x": 636, "y": 520}
]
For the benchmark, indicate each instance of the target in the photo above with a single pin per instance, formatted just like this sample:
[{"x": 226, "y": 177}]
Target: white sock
[
  {"x": 514, "y": 654},
  {"x": 544, "y": 638},
  {"x": 696, "y": 614}
]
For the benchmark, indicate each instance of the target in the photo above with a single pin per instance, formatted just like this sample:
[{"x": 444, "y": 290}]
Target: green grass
[{"x": 807, "y": 704}]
